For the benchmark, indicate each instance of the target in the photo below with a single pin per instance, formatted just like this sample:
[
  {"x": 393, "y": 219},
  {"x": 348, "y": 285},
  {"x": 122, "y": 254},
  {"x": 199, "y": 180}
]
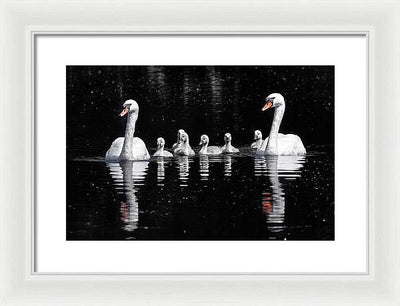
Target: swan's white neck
[
  {"x": 129, "y": 134},
  {"x": 185, "y": 146},
  {"x": 259, "y": 142},
  {"x": 228, "y": 145},
  {"x": 272, "y": 146},
  {"x": 204, "y": 147}
]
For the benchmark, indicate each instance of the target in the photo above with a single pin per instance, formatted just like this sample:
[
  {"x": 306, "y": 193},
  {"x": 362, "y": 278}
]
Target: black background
[{"x": 200, "y": 99}]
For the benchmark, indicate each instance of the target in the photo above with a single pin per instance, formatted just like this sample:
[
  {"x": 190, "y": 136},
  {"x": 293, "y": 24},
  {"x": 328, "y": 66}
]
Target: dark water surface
[{"x": 227, "y": 197}]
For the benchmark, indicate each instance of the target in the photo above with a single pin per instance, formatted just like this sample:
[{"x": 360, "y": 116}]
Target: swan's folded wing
[
  {"x": 139, "y": 150},
  {"x": 264, "y": 144},
  {"x": 214, "y": 150},
  {"x": 290, "y": 144},
  {"x": 114, "y": 151}
]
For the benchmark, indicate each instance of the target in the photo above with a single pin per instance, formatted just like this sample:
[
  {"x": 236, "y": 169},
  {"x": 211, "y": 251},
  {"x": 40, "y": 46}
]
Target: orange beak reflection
[
  {"x": 267, "y": 105},
  {"x": 266, "y": 202},
  {"x": 124, "y": 112}
]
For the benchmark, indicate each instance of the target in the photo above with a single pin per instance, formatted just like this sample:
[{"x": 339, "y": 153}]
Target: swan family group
[{"x": 133, "y": 148}]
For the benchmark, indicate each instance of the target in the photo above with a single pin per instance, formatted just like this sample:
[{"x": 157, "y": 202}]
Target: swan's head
[
  {"x": 227, "y": 137},
  {"x": 130, "y": 106},
  {"x": 160, "y": 142},
  {"x": 180, "y": 132},
  {"x": 204, "y": 140},
  {"x": 184, "y": 137},
  {"x": 273, "y": 100},
  {"x": 257, "y": 135}
]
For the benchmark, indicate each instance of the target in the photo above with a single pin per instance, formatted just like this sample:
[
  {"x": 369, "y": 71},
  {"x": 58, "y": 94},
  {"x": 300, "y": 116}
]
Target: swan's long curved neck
[
  {"x": 129, "y": 134},
  {"x": 272, "y": 146}
]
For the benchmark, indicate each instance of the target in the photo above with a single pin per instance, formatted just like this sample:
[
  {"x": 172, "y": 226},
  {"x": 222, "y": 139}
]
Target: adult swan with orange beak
[
  {"x": 276, "y": 143},
  {"x": 128, "y": 147}
]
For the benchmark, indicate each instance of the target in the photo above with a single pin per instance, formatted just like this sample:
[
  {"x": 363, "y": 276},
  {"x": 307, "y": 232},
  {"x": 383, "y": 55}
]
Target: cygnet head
[
  {"x": 130, "y": 106},
  {"x": 180, "y": 132},
  {"x": 257, "y": 135},
  {"x": 227, "y": 137},
  {"x": 273, "y": 100},
  {"x": 160, "y": 142},
  {"x": 184, "y": 137},
  {"x": 204, "y": 140}
]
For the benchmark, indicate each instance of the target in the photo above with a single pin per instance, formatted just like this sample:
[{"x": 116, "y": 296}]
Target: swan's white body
[
  {"x": 288, "y": 144},
  {"x": 184, "y": 148},
  {"x": 208, "y": 150},
  {"x": 139, "y": 151},
  {"x": 227, "y": 147},
  {"x": 128, "y": 147},
  {"x": 161, "y": 152},
  {"x": 277, "y": 143}
]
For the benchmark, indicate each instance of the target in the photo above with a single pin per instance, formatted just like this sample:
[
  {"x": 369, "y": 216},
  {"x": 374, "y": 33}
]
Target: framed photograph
[{"x": 184, "y": 158}]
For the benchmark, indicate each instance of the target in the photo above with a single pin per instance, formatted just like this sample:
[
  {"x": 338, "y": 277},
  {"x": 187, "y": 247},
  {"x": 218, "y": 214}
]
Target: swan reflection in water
[
  {"x": 183, "y": 168},
  {"x": 227, "y": 165},
  {"x": 160, "y": 170},
  {"x": 206, "y": 160},
  {"x": 276, "y": 168},
  {"x": 204, "y": 167},
  {"x": 127, "y": 176}
]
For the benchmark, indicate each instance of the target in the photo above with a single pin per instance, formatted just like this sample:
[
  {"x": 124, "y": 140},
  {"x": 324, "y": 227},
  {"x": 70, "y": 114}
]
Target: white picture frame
[{"x": 378, "y": 20}]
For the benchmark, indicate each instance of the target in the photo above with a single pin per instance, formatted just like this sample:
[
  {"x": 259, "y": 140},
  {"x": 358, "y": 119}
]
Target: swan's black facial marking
[
  {"x": 269, "y": 103},
  {"x": 270, "y": 99},
  {"x": 124, "y": 112}
]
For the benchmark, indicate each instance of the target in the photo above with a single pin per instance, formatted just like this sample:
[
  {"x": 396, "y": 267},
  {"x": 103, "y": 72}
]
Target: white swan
[
  {"x": 128, "y": 147},
  {"x": 258, "y": 140},
  {"x": 276, "y": 143},
  {"x": 161, "y": 151},
  {"x": 205, "y": 149},
  {"x": 184, "y": 148},
  {"x": 227, "y": 147},
  {"x": 178, "y": 141}
]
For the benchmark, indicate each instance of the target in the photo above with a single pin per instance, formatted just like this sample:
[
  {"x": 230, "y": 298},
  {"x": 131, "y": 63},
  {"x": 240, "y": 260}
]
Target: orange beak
[
  {"x": 267, "y": 105},
  {"x": 124, "y": 112}
]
